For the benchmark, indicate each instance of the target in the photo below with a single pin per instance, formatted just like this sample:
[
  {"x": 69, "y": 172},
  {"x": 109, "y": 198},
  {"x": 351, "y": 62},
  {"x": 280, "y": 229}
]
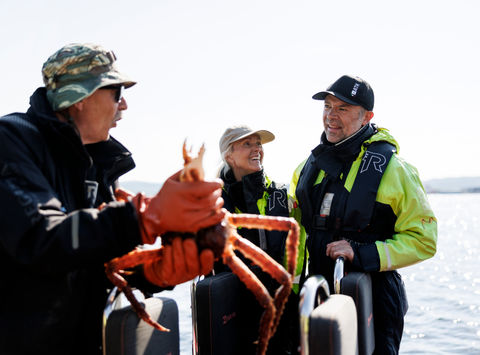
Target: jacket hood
[
  {"x": 58, "y": 134},
  {"x": 40, "y": 106}
]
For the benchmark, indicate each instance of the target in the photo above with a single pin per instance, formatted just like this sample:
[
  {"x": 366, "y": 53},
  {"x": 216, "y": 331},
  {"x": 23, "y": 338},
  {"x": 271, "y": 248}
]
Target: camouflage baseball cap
[{"x": 76, "y": 70}]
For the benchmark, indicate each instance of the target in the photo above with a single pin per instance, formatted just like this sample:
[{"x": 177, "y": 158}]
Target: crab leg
[
  {"x": 257, "y": 288},
  {"x": 273, "y": 223},
  {"x": 114, "y": 270},
  {"x": 262, "y": 259}
]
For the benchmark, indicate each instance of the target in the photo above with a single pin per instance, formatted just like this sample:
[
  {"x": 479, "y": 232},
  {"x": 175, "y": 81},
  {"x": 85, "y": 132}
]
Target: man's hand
[
  {"x": 178, "y": 207},
  {"x": 184, "y": 206},
  {"x": 180, "y": 262},
  {"x": 340, "y": 248}
]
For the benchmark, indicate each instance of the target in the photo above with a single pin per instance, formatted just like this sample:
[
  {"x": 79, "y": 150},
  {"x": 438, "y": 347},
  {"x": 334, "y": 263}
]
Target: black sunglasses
[{"x": 118, "y": 91}]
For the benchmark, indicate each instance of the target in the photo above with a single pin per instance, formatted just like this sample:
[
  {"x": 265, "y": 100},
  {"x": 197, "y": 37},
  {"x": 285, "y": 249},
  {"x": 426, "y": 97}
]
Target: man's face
[
  {"x": 341, "y": 120},
  {"x": 98, "y": 113}
]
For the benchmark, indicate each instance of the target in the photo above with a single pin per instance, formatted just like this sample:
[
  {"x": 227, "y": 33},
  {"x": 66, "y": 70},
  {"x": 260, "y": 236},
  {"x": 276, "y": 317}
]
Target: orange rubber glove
[
  {"x": 177, "y": 207},
  {"x": 180, "y": 262},
  {"x": 126, "y": 196}
]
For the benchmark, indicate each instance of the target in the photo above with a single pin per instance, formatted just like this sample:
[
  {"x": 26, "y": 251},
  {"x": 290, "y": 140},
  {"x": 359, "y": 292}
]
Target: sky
[{"x": 204, "y": 65}]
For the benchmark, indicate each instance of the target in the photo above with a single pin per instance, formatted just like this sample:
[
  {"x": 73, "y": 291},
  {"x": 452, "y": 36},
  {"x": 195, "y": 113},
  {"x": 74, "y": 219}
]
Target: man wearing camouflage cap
[{"x": 58, "y": 165}]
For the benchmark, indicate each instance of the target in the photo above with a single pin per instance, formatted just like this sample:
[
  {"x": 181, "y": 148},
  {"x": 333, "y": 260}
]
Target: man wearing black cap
[{"x": 357, "y": 199}]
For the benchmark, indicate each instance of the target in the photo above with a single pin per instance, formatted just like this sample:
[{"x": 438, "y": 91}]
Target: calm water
[{"x": 443, "y": 292}]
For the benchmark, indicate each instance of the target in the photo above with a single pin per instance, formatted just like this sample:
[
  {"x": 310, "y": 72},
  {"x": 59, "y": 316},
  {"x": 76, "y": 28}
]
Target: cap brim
[
  {"x": 265, "y": 136},
  {"x": 68, "y": 95},
  {"x": 113, "y": 77},
  {"x": 323, "y": 94}
]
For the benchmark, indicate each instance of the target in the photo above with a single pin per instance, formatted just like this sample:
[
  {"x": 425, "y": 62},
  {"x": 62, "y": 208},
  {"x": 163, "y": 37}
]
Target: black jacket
[
  {"x": 243, "y": 196},
  {"x": 53, "y": 240}
]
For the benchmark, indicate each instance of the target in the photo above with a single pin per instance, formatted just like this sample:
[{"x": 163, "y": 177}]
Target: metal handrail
[
  {"x": 338, "y": 274},
  {"x": 314, "y": 288},
  {"x": 193, "y": 290},
  {"x": 106, "y": 313}
]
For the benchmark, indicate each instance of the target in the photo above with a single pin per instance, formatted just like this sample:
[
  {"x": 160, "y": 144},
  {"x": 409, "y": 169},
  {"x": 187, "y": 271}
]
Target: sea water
[{"x": 443, "y": 292}]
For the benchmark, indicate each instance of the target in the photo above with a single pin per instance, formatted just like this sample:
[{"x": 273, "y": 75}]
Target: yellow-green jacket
[{"x": 413, "y": 224}]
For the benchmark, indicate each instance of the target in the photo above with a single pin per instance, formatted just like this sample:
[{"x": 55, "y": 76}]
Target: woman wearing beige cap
[{"x": 248, "y": 190}]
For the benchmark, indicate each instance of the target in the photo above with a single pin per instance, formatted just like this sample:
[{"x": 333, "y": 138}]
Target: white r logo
[
  {"x": 278, "y": 195},
  {"x": 92, "y": 189},
  {"x": 376, "y": 159}
]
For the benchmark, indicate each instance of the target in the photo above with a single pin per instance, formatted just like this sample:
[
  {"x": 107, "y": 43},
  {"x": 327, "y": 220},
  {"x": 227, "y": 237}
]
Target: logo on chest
[
  {"x": 279, "y": 197},
  {"x": 375, "y": 160},
  {"x": 92, "y": 190}
]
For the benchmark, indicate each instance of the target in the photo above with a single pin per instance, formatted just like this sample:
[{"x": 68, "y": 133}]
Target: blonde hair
[{"x": 224, "y": 164}]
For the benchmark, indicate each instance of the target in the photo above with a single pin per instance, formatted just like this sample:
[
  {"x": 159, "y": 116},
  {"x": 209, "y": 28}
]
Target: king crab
[{"x": 223, "y": 240}]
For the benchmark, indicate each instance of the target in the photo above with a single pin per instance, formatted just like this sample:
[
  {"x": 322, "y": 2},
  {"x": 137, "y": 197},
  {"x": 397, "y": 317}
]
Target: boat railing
[
  {"x": 314, "y": 290},
  {"x": 338, "y": 273}
]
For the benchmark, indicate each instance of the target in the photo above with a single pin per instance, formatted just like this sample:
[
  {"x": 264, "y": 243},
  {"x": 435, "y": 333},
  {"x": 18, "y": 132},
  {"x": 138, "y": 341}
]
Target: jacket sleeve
[
  {"x": 36, "y": 231},
  {"x": 415, "y": 234}
]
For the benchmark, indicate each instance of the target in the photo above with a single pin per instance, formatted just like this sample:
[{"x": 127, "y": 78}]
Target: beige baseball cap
[{"x": 235, "y": 133}]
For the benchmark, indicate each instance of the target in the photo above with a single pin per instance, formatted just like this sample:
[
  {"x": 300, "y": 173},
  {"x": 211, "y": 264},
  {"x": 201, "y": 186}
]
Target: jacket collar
[
  {"x": 111, "y": 157},
  {"x": 332, "y": 157},
  {"x": 245, "y": 193}
]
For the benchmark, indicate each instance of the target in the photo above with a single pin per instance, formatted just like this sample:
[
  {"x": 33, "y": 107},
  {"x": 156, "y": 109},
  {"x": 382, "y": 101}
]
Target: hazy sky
[{"x": 202, "y": 65}]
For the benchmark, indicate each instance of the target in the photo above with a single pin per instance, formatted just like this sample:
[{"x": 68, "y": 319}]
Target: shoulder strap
[
  {"x": 303, "y": 191},
  {"x": 363, "y": 195}
]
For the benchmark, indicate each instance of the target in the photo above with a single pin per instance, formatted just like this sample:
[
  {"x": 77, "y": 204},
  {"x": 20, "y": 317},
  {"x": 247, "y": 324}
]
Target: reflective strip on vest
[
  {"x": 387, "y": 253},
  {"x": 75, "y": 229}
]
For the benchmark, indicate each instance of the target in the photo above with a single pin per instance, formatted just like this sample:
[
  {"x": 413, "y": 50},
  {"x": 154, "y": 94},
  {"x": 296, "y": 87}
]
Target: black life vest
[
  {"x": 329, "y": 211},
  {"x": 243, "y": 196}
]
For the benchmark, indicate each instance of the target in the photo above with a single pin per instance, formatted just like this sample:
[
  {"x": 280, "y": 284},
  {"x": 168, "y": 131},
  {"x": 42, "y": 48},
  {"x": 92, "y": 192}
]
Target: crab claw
[{"x": 193, "y": 166}]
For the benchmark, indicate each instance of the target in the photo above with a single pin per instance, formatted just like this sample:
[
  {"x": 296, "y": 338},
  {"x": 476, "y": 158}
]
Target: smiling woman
[{"x": 247, "y": 189}]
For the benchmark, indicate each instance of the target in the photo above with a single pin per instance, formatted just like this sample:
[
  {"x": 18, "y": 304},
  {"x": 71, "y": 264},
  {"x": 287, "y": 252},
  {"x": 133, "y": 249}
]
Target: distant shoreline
[
  {"x": 453, "y": 192},
  {"x": 453, "y": 185},
  {"x": 460, "y": 185}
]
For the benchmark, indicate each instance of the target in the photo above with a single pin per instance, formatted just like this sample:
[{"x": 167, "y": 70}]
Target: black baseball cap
[{"x": 352, "y": 90}]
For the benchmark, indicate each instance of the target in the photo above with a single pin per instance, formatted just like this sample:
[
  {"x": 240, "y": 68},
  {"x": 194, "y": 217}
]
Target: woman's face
[{"x": 246, "y": 156}]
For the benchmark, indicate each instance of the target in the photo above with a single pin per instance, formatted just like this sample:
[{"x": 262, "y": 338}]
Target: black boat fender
[
  {"x": 124, "y": 333},
  {"x": 328, "y": 323}
]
